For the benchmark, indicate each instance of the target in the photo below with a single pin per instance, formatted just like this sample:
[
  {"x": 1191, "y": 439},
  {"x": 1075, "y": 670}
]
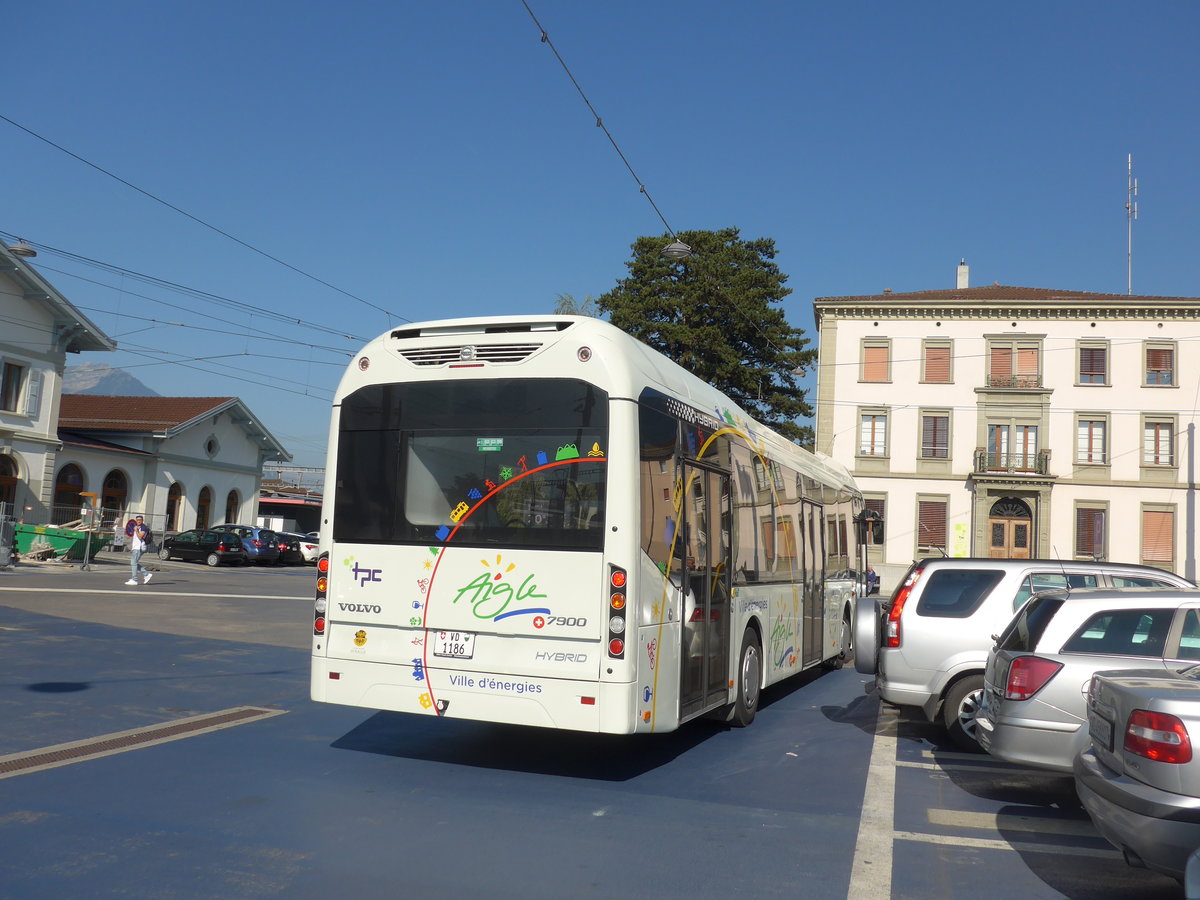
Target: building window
[
  {"x": 1091, "y": 440},
  {"x": 1016, "y": 454},
  {"x": 204, "y": 507},
  {"x": 174, "y": 506},
  {"x": 876, "y": 360},
  {"x": 935, "y": 436},
  {"x": 875, "y": 530},
  {"x": 931, "y": 524},
  {"x": 1093, "y": 363},
  {"x": 10, "y": 388},
  {"x": 232, "y": 504},
  {"x": 1160, "y": 364},
  {"x": 760, "y": 475},
  {"x": 1158, "y": 443},
  {"x": 872, "y": 439},
  {"x": 1090, "y": 532},
  {"x": 1015, "y": 364},
  {"x": 1158, "y": 537},
  {"x": 935, "y": 362}
]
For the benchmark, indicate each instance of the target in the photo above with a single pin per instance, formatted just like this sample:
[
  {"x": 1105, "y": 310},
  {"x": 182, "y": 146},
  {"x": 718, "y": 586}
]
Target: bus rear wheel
[{"x": 749, "y": 680}]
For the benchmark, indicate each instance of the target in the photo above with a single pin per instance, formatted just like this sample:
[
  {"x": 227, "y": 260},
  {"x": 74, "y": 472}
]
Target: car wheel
[
  {"x": 213, "y": 560},
  {"x": 749, "y": 680},
  {"x": 960, "y": 712},
  {"x": 163, "y": 553},
  {"x": 836, "y": 662}
]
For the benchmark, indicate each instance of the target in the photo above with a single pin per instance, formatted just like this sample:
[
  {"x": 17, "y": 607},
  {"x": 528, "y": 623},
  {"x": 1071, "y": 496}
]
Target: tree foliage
[
  {"x": 717, "y": 314},
  {"x": 567, "y": 305}
]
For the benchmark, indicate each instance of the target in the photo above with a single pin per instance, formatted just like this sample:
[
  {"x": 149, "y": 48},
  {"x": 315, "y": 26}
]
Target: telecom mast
[{"x": 1130, "y": 217}]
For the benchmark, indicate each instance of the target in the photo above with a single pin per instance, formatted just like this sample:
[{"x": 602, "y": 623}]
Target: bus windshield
[{"x": 519, "y": 463}]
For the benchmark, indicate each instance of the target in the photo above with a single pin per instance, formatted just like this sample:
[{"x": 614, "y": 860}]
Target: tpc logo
[{"x": 361, "y": 574}]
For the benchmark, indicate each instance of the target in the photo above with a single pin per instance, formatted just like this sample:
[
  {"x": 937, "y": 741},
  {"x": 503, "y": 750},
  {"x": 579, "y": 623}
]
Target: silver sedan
[{"x": 1140, "y": 781}]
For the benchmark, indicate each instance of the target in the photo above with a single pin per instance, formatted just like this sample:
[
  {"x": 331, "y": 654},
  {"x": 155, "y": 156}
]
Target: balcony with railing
[
  {"x": 1016, "y": 382},
  {"x": 1019, "y": 462}
]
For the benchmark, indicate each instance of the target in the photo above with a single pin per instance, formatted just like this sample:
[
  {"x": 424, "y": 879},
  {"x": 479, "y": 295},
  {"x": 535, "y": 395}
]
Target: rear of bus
[{"x": 466, "y": 572}]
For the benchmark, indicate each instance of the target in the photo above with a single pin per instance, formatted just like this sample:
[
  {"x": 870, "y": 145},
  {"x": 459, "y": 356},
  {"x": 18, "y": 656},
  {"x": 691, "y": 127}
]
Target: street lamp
[{"x": 677, "y": 250}]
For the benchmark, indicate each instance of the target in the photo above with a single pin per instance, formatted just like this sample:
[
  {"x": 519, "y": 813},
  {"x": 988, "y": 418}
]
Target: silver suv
[{"x": 928, "y": 645}]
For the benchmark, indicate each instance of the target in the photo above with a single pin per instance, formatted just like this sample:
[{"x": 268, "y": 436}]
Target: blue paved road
[{"x": 327, "y": 801}]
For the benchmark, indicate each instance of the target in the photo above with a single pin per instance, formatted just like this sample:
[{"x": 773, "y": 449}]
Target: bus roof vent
[{"x": 492, "y": 353}]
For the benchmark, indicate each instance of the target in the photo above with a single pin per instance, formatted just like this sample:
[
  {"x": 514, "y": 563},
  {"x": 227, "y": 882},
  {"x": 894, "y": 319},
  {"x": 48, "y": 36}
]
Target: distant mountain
[{"x": 98, "y": 378}]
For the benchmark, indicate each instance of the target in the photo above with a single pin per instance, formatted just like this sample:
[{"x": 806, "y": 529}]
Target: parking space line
[
  {"x": 1008, "y": 822},
  {"x": 1012, "y": 847},
  {"x": 871, "y": 873}
]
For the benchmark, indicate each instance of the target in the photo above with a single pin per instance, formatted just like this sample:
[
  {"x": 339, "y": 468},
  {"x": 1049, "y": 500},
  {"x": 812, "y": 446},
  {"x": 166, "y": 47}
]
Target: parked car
[
  {"x": 290, "y": 553},
  {"x": 1035, "y": 709},
  {"x": 261, "y": 544},
  {"x": 1140, "y": 779},
  {"x": 214, "y": 547},
  {"x": 928, "y": 644},
  {"x": 307, "y": 546}
]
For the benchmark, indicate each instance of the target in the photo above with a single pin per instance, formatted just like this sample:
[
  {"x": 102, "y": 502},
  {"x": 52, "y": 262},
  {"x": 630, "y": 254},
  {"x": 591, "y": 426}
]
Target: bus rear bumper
[{"x": 481, "y": 696}]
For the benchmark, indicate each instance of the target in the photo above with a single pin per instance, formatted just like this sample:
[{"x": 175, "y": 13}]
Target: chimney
[{"x": 964, "y": 272}]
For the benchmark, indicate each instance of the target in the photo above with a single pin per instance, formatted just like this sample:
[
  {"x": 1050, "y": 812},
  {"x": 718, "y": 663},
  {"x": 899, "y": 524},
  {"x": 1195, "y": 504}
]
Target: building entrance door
[{"x": 1010, "y": 527}]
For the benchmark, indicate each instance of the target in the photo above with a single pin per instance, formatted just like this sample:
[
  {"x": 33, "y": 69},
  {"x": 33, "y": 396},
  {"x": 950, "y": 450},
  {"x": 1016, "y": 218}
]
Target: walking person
[{"x": 137, "y": 545}]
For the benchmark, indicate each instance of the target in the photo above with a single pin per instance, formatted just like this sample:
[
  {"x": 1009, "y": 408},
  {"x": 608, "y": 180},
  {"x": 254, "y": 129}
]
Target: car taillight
[
  {"x": 256, "y": 543},
  {"x": 616, "y": 604},
  {"x": 322, "y": 594},
  {"x": 1161, "y": 737},
  {"x": 891, "y": 637},
  {"x": 1027, "y": 675}
]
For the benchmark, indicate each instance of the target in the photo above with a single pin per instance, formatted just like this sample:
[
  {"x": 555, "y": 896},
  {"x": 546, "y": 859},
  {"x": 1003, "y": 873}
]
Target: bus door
[
  {"x": 705, "y": 573},
  {"x": 812, "y": 531}
]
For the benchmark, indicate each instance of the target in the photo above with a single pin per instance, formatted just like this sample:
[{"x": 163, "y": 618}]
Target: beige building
[{"x": 1014, "y": 422}]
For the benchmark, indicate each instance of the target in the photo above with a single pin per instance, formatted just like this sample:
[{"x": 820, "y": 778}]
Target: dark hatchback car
[
  {"x": 261, "y": 544},
  {"x": 290, "y": 553},
  {"x": 214, "y": 547}
]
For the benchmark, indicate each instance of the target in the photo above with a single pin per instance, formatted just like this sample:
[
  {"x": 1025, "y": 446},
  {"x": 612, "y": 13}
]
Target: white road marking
[
  {"x": 871, "y": 873},
  {"x": 985, "y": 844},
  {"x": 142, "y": 590},
  {"x": 953, "y": 818}
]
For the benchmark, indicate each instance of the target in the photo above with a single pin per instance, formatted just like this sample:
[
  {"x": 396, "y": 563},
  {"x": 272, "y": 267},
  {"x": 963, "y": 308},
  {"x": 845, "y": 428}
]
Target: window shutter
[
  {"x": 1002, "y": 361},
  {"x": 1093, "y": 364},
  {"x": 1027, "y": 361},
  {"x": 935, "y": 431},
  {"x": 937, "y": 364},
  {"x": 1158, "y": 535},
  {"x": 931, "y": 523},
  {"x": 875, "y": 363},
  {"x": 33, "y": 396},
  {"x": 875, "y": 533},
  {"x": 1089, "y": 532}
]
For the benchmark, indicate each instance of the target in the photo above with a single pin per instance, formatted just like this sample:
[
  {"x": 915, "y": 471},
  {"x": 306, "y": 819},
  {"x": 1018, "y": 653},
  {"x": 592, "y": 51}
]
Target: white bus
[{"x": 542, "y": 521}]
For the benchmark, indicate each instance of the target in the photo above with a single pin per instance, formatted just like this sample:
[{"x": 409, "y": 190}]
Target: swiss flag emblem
[{"x": 539, "y": 622}]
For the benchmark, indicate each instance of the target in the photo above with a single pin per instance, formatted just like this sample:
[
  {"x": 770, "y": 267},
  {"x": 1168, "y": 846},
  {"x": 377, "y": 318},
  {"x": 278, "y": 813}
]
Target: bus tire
[
  {"x": 749, "y": 680},
  {"x": 847, "y": 641}
]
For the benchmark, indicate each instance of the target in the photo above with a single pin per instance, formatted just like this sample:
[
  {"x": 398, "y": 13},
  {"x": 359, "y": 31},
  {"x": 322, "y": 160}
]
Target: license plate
[
  {"x": 454, "y": 644},
  {"x": 1101, "y": 731}
]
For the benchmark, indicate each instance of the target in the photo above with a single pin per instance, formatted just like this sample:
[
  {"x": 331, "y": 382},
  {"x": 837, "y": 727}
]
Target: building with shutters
[
  {"x": 1015, "y": 422},
  {"x": 38, "y": 328}
]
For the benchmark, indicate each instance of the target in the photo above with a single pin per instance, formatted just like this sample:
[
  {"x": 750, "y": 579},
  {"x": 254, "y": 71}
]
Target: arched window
[
  {"x": 174, "y": 503},
  {"x": 8, "y": 484},
  {"x": 233, "y": 503},
  {"x": 204, "y": 507},
  {"x": 116, "y": 493},
  {"x": 67, "y": 486}
]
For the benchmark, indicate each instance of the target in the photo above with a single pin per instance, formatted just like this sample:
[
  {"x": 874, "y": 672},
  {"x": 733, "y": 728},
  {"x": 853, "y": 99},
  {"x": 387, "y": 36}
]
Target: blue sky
[{"x": 434, "y": 160}]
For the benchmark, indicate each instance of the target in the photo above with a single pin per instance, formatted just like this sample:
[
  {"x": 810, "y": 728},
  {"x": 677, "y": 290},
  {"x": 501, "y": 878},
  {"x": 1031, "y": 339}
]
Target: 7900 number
[{"x": 568, "y": 621}]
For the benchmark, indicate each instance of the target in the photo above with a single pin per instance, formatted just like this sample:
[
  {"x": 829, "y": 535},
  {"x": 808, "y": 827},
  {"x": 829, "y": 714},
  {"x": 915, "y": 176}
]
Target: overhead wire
[{"x": 200, "y": 221}]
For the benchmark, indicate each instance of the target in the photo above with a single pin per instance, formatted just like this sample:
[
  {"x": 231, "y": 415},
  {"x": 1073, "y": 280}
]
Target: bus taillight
[
  {"x": 616, "y": 621},
  {"x": 322, "y": 594}
]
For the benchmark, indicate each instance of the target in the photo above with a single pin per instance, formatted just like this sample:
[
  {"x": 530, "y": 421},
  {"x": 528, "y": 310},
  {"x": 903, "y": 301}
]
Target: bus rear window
[{"x": 508, "y": 464}]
